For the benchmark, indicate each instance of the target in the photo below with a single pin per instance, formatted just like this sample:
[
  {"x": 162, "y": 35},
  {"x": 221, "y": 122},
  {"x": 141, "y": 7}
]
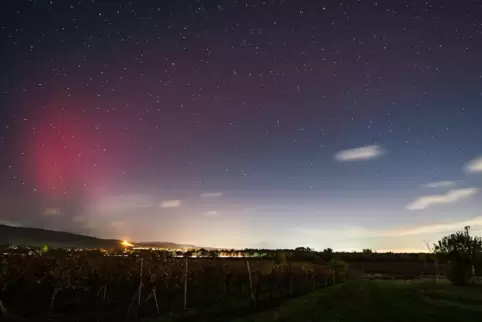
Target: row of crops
[{"x": 106, "y": 287}]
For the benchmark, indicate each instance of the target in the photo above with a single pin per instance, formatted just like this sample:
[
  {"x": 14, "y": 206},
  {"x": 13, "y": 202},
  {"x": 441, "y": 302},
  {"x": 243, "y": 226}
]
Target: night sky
[{"x": 342, "y": 124}]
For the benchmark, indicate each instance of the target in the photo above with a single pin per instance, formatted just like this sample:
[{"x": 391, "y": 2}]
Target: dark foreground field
[{"x": 382, "y": 301}]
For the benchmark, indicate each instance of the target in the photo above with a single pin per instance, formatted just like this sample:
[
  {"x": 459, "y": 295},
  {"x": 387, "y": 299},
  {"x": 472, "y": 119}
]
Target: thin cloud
[
  {"x": 170, "y": 204},
  {"x": 337, "y": 233},
  {"x": 474, "y": 166},
  {"x": 9, "y": 223},
  {"x": 212, "y": 213},
  {"x": 79, "y": 219},
  {"x": 390, "y": 238},
  {"x": 452, "y": 196},
  {"x": 403, "y": 250},
  {"x": 122, "y": 203},
  {"x": 359, "y": 154},
  {"x": 118, "y": 224},
  {"x": 211, "y": 194},
  {"x": 146, "y": 204},
  {"x": 354, "y": 233},
  {"x": 440, "y": 184},
  {"x": 442, "y": 227},
  {"x": 52, "y": 211}
]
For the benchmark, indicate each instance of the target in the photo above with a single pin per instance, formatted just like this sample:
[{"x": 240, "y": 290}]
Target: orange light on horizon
[{"x": 126, "y": 244}]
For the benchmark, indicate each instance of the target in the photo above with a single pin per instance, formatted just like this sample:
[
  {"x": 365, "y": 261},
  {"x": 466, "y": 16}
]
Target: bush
[
  {"x": 459, "y": 272},
  {"x": 339, "y": 267},
  {"x": 463, "y": 252}
]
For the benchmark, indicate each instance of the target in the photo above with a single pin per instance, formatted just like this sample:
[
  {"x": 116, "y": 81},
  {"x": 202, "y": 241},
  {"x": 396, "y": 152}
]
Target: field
[
  {"x": 382, "y": 301},
  {"x": 398, "y": 269},
  {"x": 103, "y": 288},
  {"x": 94, "y": 286}
]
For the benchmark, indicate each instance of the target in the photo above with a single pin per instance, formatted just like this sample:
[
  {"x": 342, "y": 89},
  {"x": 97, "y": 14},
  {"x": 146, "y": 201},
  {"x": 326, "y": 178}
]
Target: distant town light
[{"x": 126, "y": 244}]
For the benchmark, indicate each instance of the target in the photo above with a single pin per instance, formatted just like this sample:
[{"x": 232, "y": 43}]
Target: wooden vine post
[
  {"x": 185, "y": 285},
  {"x": 251, "y": 284},
  {"x": 105, "y": 291},
  {"x": 138, "y": 293},
  {"x": 140, "y": 284},
  {"x": 54, "y": 296},
  {"x": 435, "y": 259},
  {"x": 3, "y": 310}
]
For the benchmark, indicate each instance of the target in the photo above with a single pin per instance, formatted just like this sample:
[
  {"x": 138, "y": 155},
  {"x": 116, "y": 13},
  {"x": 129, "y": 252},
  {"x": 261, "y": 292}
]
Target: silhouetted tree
[
  {"x": 281, "y": 258},
  {"x": 463, "y": 252},
  {"x": 213, "y": 253},
  {"x": 327, "y": 254},
  {"x": 339, "y": 267}
]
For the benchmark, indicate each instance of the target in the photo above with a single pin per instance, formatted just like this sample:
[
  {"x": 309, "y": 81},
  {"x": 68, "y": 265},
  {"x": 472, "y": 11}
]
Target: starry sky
[{"x": 345, "y": 124}]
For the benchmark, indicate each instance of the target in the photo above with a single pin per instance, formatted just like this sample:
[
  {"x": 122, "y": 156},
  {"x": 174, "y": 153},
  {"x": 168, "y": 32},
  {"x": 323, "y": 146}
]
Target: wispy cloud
[
  {"x": 337, "y": 233},
  {"x": 441, "y": 227},
  {"x": 78, "y": 219},
  {"x": 358, "y": 154},
  {"x": 170, "y": 204},
  {"x": 451, "y": 196},
  {"x": 122, "y": 203},
  {"x": 9, "y": 223},
  {"x": 440, "y": 184},
  {"x": 389, "y": 238},
  {"x": 403, "y": 250},
  {"x": 52, "y": 211},
  {"x": 211, "y": 194},
  {"x": 146, "y": 204},
  {"x": 118, "y": 224},
  {"x": 358, "y": 233},
  {"x": 212, "y": 213},
  {"x": 474, "y": 166}
]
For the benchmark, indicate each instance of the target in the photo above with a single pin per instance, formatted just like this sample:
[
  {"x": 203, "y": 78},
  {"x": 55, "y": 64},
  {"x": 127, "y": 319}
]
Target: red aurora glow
[{"x": 70, "y": 151}]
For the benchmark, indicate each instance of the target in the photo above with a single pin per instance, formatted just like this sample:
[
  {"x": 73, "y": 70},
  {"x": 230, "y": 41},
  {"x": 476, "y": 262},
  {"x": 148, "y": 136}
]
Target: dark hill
[{"x": 39, "y": 237}]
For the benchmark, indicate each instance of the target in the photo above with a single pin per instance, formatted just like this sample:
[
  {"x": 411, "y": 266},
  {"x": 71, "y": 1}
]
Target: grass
[{"x": 380, "y": 301}]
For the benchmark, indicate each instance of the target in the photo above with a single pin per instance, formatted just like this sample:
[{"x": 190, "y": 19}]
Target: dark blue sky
[{"x": 343, "y": 124}]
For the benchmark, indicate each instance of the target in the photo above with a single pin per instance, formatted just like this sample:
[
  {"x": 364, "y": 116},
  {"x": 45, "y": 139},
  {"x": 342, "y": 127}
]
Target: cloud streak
[
  {"x": 474, "y": 166},
  {"x": 52, "y": 211},
  {"x": 211, "y": 194},
  {"x": 9, "y": 223},
  {"x": 170, "y": 204},
  {"x": 362, "y": 234},
  {"x": 118, "y": 224},
  {"x": 359, "y": 154},
  {"x": 122, "y": 203},
  {"x": 451, "y": 196},
  {"x": 443, "y": 227},
  {"x": 440, "y": 184},
  {"x": 78, "y": 219}
]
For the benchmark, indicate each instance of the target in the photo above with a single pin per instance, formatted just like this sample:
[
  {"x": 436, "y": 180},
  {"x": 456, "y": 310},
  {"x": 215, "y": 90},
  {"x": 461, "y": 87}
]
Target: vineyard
[{"x": 105, "y": 288}]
